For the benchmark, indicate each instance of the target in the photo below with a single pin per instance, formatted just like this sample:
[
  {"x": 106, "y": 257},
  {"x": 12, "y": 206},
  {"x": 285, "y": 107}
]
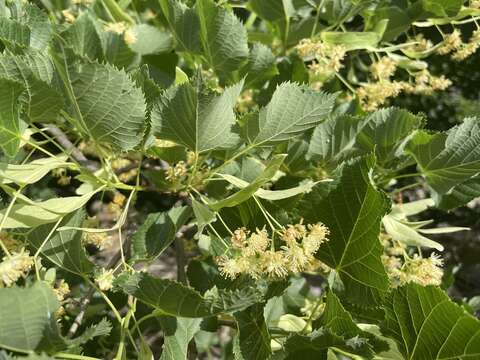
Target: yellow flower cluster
[
  {"x": 14, "y": 267},
  {"x": 475, "y": 4},
  {"x": 327, "y": 59},
  {"x": 253, "y": 254},
  {"x": 451, "y": 42},
  {"x": 402, "y": 269},
  {"x": 176, "y": 172},
  {"x": 467, "y": 49},
  {"x": 61, "y": 290},
  {"x": 129, "y": 35},
  {"x": 373, "y": 95},
  {"x": 63, "y": 178}
]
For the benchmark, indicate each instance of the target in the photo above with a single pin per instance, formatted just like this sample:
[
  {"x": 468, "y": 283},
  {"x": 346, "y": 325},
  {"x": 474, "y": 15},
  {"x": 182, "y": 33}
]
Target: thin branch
[{"x": 71, "y": 149}]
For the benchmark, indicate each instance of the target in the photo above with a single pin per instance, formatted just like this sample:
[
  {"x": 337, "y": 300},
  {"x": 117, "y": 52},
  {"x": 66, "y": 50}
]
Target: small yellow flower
[
  {"x": 176, "y": 172},
  {"x": 274, "y": 264}
]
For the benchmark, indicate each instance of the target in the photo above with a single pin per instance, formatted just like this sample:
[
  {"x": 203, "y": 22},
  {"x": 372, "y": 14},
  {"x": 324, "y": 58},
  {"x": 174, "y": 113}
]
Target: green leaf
[
  {"x": 184, "y": 23},
  {"x": 197, "y": 120},
  {"x": 9, "y": 116},
  {"x": 177, "y": 334},
  {"x": 353, "y": 211},
  {"x": 203, "y": 215},
  {"x": 41, "y": 29},
  {"x": 103, "y": 328},
  {"x": 270, "y": 10},
  {"x": 27, "y": 216},
  {"x": 113, "y": 108},
  {"x": 459, "y": 195},
  {"x": 223, "y": 37},
  {"x": 261, "y": 66},
  {"x": 315, "y": 345},
  {"x": 254, "y": 339},
  {"x": 63, "y": 248},
  {"x": 448, "y": 159},
  {"x": 28, "y": 317},
  {"x": 31, "y": 172},
  {"x": 426, "y": 324},
  {"x": 83, "y": 38},
  {"x": 291, "y": 111},
  {"x": 352, "y": 40},
  {"x": 14, "y": 32},
  {"x": 386, "y": 131},
  {"x": 334, "y": 140},
  {"x": 250, "y": 190},
  {"x": 153, "y": 236},
  {"x": 443, "y": 8},
  {"x": 339, "y": 321},
  {"x": 35, "y": 71},
  {"x": 173, "y": 298},
  {"x": 150, "y": 40}
]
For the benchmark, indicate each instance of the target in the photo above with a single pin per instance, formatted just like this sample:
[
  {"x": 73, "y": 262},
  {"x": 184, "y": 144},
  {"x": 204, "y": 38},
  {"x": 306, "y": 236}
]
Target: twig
[{"x": 74, "y": 152}]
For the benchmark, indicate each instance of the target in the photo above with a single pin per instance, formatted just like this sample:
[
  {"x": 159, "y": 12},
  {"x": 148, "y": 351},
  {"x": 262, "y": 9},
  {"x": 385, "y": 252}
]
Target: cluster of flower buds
[
  {"x": 129, "y": 35},
  {"x": 254, "y": 254},
  {"x": 104, "y": 279}
]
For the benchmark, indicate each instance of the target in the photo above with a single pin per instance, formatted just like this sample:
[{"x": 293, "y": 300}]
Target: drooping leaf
[
  {"x": 353, "y": 211},
  {"x": 10, "y": 123},
  {"x": 112, "y": 107},
  {"x": 291, "y": 111},
  {"x": 448, "y": 159},
  {"x": 63, "y": 248},
  {"x": 197, "y": 120},
  {"x": 173, "y": 298},
  {"x": 249, "y": 190},
  {"x": 426, "y": 324},
  {"x": 253, "y": 337},
  {"x": 28, "y": 317},
  {"x": 31, "y": 172},
  {"x": 272, "y": 195},
  {"x": 203, "y": 215},
  {"x": 352, "y": 40},
  {"x": 178, "y": 332}
]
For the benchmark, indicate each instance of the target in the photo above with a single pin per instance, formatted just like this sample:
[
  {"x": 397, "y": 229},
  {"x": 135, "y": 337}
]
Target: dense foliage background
[{"x": 256, "y": 179}]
